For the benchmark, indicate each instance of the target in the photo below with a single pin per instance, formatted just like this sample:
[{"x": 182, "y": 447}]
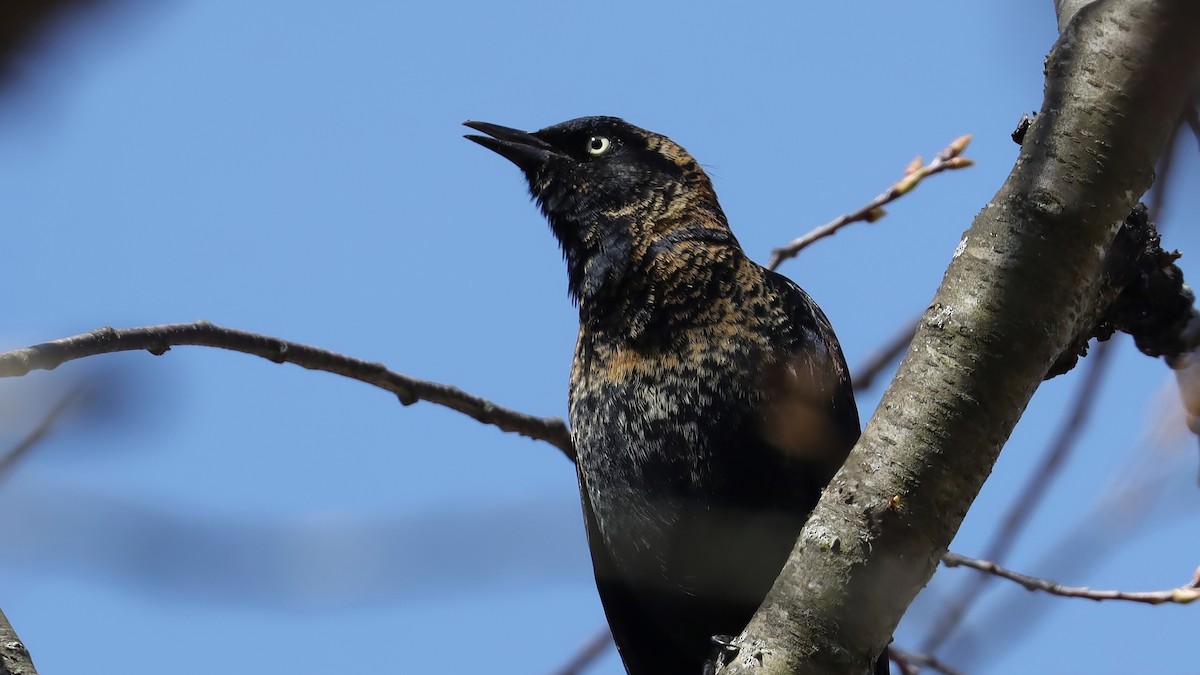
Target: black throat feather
[
  {"x": 640, "y": 255},
  {"x": 640, "y": 285}
]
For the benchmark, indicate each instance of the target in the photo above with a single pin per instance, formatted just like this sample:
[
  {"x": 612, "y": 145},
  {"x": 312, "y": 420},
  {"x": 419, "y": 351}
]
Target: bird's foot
[{"x": 724, "y": 652}]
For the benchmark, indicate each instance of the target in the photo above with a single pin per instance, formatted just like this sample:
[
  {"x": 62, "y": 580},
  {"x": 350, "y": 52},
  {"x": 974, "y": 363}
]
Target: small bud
[
  {"x": 1185, "y": 596},
  {"x": 958, "y": 146},
  {"x": 909, "y": 182},
  {"x": 874, "y": 215},
  {"x": 959, "y": 162},
  {"x": 914, "y": 166}
]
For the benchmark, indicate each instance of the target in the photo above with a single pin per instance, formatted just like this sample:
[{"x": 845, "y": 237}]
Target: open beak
[{"x": 519, "y": 147}]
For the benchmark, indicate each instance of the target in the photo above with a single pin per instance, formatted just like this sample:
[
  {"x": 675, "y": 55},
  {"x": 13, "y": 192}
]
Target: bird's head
[{"x": 610, "y": 191}]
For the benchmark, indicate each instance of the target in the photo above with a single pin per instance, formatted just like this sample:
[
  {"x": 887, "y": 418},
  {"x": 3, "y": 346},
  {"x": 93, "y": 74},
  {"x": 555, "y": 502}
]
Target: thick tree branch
[
  {"x": 1141, "y": 293},
  {"x": 158, "y": 339},
  {"x": 1022, "y": 284},
  {"x": 1026, "y": 502},
  {"x": 14, "y": 658},
  {"x": 1065, "y": 10},
  {"x": 1188, "y": 593}
]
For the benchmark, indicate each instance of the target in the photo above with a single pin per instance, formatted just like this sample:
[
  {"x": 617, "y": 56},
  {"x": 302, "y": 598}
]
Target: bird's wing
[{"x": 809, "y": 412}]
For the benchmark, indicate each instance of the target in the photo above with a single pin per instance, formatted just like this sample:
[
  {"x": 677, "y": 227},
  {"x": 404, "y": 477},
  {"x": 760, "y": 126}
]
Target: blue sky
[{"x": 298, "y": 169}]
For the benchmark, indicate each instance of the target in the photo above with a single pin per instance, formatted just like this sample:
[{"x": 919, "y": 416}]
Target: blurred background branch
[{"x": 23, "y": 447}]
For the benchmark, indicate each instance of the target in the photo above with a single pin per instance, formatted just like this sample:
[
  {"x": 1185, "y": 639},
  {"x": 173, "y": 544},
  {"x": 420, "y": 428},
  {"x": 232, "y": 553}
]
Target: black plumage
[{"x": 709, "y": 400}]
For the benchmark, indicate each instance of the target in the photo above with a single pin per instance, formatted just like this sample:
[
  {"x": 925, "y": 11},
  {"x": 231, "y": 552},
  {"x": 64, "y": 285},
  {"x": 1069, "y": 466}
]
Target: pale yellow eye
[{"x": 598, "y": 145}]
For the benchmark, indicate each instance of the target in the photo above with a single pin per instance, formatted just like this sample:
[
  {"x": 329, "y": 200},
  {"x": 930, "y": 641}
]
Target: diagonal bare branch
[
  {"x": 917, "y": 171},
  {"x": 1187, "y": 593},
  {"x": 159, "y": 339}
]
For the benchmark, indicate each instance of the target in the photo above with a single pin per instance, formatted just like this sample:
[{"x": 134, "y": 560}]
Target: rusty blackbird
[{"x": 709, "y": 400}]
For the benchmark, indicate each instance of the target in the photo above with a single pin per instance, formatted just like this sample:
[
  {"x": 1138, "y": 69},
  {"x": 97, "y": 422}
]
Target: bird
[{"x": 709, "y": 400}]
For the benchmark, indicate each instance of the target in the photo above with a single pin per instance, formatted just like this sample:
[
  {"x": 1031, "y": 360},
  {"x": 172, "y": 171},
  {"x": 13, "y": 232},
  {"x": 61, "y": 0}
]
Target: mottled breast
[{"x": 732, "y": 403}]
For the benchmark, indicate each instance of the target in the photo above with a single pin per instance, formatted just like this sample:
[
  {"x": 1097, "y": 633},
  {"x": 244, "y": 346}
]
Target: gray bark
[
  {"x": 1021, "y": 285},
  {"x": 14, "y": 658}
]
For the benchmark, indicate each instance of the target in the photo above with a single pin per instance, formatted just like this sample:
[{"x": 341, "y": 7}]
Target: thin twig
[
  {"x": 1024, "y": 505},
  {"x": 587, "y": 654},
  {"x": 864, "y": 376},
  {"x": 14, "y": 454},
  {"x": 917, "y": 171},
  {"x": 922, "y": 660},
  {"x": 158, "y": 339},
  {"x": 1189, "y": 592}
]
